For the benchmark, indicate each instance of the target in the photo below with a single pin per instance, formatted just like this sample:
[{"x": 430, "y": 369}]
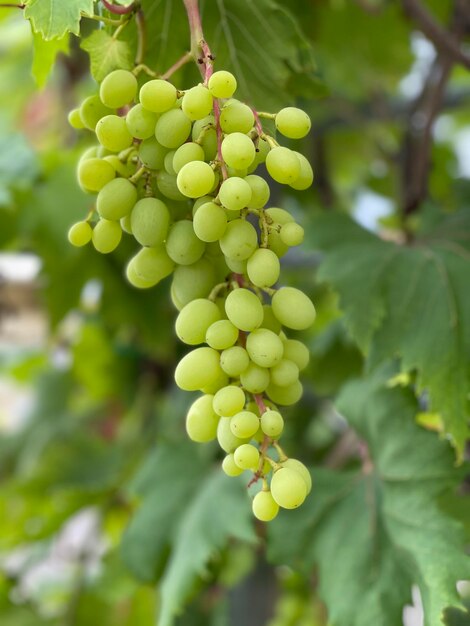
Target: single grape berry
[
  {"x": 265, "y": 508},
  {"x": 222, "y": 84},
  {"x": 288, "y": 488},
  {"x": 118, "y": 88},
  {"x": 80, "y": 234},
  {"x": 292, "y": 122}
]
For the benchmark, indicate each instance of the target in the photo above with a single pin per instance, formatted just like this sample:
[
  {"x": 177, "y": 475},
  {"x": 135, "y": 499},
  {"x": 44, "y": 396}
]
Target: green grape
[
  {"x": 229, "y": 400},
  {"x": 263, "y": 267},
  {"x": 262, "y": 151},
  {"x": 255, "y": 379},
  {"x": 80, "y": 234},
  {"x": 75, "y": 120},
  {"x": 230, "y": 467},
  {"x": 187, "y": 153},
  {"x": 116, "y": 199},
  {"x": 259, "y": 191},
  {"x": 149, "y": 266},
  {"x": 292, "y": 234},
  {"x": 234, "y": 361},
  {"x": 205, "y": 135},
  {"x": 269, "y": 320},
  {"x": 112, "y": 133},
  {"x": 235, "y": 193},
  {"x": 168, "y": 162},
  {"x": 293, "y": 123},
  {"x": 238, "y": 150},
  {"x": 194, "y": 320},
  {"x": 244, "y": 424},
  {"x": 283, "y": 165},
  {"x": 93, "y": 174},
  {"x": 239, "y": 240},
  {"x": 92, "y": 110},
  {"x": 152, "y": 154},
  {"x": 198, "y": 202},
  {"x": 217, "y": 383},
  {"x": 299, "y": 467},
  {"x": 126, "y": 224},
  {"x": 246, "y": 456},
  {"x": 198, "y": 369},
  {"x": 195, "y": 179},
  {"x": 285, "y": 395},
  {"x": 106, "y": 236},
  {"x": 264, "y": 507},
  {"x": 284, "y": 373},
  {"x": 278, "y": 217},
  {"x": 244, "y": 309},
  {"x": 89, "y": 153},
  {"x": 197, "y": 102},
  {"x": 201, "y": 420},
  {"x": 210, "y": 222},
  {"x": 296, "y": 351},
  {"x": 236, "y": 117},
  {"x": 221, "y": 335},
  {"x": 239, "y": 267},
  {"x": 168, "y": 187},
  {"x": 193, "y": 281},
  {"x": 150, "y": 220},
  {"x": 305, "y": 178},
  {"x": 288, "y": 488},
  {"x": 123, "y": 169},
  {"x": 222, "y": 84},
  {"x": 227, "y": 440},
  {"x": 141, "y": 122},
  {"x": 264, "y": 347},
  {"x": 272, "y": 423},
  {"x": 293, "y": 308},
  {"x": 157, "y": 95},
  {"x": 231, "y": 171},
  {"x": 182, "y": 244},
  {"x": 173, "y": 128},
  {"x": 118, "y": 89}
]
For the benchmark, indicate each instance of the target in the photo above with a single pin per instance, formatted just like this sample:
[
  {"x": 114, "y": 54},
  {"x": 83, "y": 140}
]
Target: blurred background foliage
[{"x": 108, "y": 516}]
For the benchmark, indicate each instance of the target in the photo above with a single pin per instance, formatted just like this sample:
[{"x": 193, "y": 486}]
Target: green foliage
[
  {"x": 106, "y": 54},
  {"x": 45, "y": 53},
  {"x": 54, "y": 19}
]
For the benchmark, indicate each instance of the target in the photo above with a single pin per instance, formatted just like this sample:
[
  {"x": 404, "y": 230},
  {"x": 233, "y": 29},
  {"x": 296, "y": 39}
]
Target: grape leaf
[
  {"x": 106, "y": 54},
  {"x": 45, "y": 53},
  {"x": 54, "y": 18},
  {"x": 376, "y": 531},
  {"x": 409, "y": 301}
]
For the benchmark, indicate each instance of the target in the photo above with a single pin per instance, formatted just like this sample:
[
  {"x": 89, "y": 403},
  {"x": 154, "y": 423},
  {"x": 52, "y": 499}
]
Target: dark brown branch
[{"x": 443, "y": 39}]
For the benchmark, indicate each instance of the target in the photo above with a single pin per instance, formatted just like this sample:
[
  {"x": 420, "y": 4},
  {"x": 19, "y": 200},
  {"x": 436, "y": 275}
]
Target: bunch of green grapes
[{"x": 176, "y": 170}]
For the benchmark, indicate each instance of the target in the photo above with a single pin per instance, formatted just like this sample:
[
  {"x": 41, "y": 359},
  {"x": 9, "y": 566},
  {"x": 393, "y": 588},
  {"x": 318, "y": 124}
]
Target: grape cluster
[{"x": 176, "y": 171}]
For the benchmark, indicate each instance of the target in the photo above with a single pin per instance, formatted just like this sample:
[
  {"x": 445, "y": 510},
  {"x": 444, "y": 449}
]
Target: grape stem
[
  {"x": 282, "y": 455},
  {"x": 141, "y": 37},
  {"x": 11, "y": 5},
  {"x": 218, "y": 130},
  {"x": 140, "y": 172},
  {"x": 270, "y": 140},
  {"x": 267, "y": 116},
  {"x": 141, "y": 67},
  {"x": 216, "y": 290},
  {"x": 105, "y": 20},
  {"x": 187, "y": 56},
  {"x": 260, "y": 403},
  {"x": 118, "y": 10},
  {"x": 258, "y": 125}
]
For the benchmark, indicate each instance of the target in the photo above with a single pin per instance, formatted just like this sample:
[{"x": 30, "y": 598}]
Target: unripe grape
[
  {"x": 278, "y": 217},
  {"x": 292, "y": 234},
  {"x": 123, "y": 169},
  {"x": 229, "y": 400},
  {"x": 244, "y": 309},
  {"x": 283, "y": 165},
  {"x": 269, "y": 320},
  {"x": 263, "y": 267},
  {"x": 150, "y": 220},
  {"x": 210, "y": 222},
  {"x": 149, "y": 266},
  {"x": 296, "y": 351},
  {"x": 197, "y": 102},
  {"x": 238, "y": 150},
  {"x": 244, "y": 424},
  {"x": 234, "y": 361},
  {"x": 227, "y": 440},
  {"x": 193, "y": 281},
  {"x": 293, "y": 308},
  {"x": 259, "y": 191},
  {"x": 264, "y": 507},
  {"x": 221, "y": 335},
  {"x": 80, "y": 234},
  {"x": 197, "y": 369},
  {"x": 118, "y": 89},
  {"x": 187, "y": 153},
  {"x": 293, "y": 123},
  {"x": 236, "y": 117},
  {"x": 152, "y": 154},
  {"x": 194, "y": 319},
  {"x": 305, "y": 178},
  {"x": 198, "y": 202},
  {"x": 201, "y": 420},
  {"x": 255, "y": 379},
  {"x": 106, "y": 236},
  {"x": 204, "y": 134},
  {"x": 125, "y": 223},
  {"x": 75, "y": 120},
  {"x": 141, "y": 123},
  {"x": 264, "y": 347},
  {"x": 222, "y": 84},
  {"x": 272, "y": 423},
  {"x": 195, "y": 179},
  {"x": 112, "y": 133},
  {"x": 172, "y": 129},
  {"x": 285, "y": 373},
  {"x": 235, "y": 193},
  {"x": 116, "y": 199},
  {"x": 92, "y": 110},
  {"x": 182, "y": 244},
  {"x": 239, "y": 240},
  {"x": 288, "y": 488},
  {"x": 93, "y": 174},
  {"x": 286, "y": 395},
  {"x": 299, "y": 467},
  {"x": 157, "y": 95},
  {"x": 246, "y": 456},
  {"x": 168, "y": 187},
  {"x": 230, "y": 467},
  {"x": 262, "y": 151}
]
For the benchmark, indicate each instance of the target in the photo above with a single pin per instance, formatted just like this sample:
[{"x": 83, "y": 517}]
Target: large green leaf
[
  {"x": 54, "y": 18},
  {"x": 376, "y": 531},
  {"x": 107, "y": 54},
  {"x": 45, "y": 53},
  {"x": 409, "y": 301}
]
